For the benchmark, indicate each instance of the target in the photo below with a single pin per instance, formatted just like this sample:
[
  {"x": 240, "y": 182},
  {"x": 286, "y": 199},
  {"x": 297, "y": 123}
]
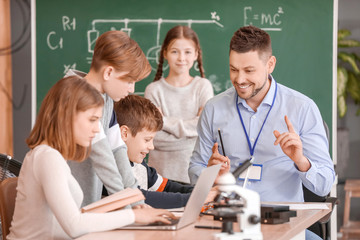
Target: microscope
[{"x": 237, "y": 205}]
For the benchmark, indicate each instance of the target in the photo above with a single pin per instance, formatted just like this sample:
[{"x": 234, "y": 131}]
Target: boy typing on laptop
[{"x": 139, "y": 120}]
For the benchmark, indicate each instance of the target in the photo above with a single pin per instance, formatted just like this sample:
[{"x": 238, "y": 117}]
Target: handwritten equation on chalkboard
[
  {"x": 55, "y": 42},
  {"x": 266, "y": 21},
  {"x": 152, "y": 53}
]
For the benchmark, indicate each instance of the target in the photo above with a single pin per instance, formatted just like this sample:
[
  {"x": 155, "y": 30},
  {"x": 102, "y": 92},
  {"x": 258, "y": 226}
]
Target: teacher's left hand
[{"x": 291, "y": 145}]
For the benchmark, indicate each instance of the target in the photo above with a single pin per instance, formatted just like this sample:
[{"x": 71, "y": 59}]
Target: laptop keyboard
[{"x": 173, "y": 222}]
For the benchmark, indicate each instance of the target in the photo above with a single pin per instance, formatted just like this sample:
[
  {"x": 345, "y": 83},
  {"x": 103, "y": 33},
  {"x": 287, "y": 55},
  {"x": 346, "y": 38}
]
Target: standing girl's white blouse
[{"x": 180, "y": 107}]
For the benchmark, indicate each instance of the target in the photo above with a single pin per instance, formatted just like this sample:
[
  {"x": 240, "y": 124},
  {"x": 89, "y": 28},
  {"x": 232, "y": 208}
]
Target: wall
[
  {"x": 21, "y": 63},
  {"x": 6, "y": 121},
  {"x": 348, "y": 167}
]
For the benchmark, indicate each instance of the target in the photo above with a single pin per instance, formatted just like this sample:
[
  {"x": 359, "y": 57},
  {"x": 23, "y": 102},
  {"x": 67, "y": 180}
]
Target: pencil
[
  {"x": 207, "y": 227},
  {"x": 222, "y": 145}
]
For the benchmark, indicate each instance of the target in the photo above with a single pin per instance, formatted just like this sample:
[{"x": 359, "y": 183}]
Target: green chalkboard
[{"x": 301, "y": 32}]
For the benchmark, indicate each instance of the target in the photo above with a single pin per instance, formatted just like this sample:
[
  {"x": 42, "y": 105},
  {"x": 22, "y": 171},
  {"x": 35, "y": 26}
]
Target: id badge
[{"x": 255, "y": 173}]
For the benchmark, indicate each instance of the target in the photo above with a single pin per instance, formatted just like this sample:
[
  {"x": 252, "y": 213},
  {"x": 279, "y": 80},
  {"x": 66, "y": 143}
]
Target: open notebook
[{"x": 193, "y": 206}]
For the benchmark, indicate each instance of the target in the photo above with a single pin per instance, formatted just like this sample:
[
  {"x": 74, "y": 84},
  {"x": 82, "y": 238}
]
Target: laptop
[{"x": 193, "y": 206}]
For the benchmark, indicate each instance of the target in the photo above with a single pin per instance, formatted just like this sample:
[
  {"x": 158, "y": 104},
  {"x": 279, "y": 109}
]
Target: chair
[
  {"x": 9, "y": 169},
  {"x": 7, "y": 203},
  {"x": 350, "y": 229},
  {"x": 321, "y": 227}
]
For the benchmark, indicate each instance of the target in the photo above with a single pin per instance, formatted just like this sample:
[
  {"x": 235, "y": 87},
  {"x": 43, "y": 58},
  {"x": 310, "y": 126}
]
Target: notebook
[
  {"x": 115, "y": 201},
  {"x": 193, "y": 206}
]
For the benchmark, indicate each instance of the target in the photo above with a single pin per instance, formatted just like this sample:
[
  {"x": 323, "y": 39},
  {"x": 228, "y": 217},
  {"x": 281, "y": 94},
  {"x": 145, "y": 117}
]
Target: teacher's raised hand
[{"x": 291, "y": 145}]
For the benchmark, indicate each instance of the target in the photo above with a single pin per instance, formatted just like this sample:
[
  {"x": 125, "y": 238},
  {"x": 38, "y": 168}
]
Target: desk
[{"x": 284, "y": 231}]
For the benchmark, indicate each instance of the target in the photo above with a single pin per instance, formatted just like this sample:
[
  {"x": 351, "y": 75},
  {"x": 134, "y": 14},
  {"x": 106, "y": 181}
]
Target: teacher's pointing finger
[{"x": 289, "y": 125}]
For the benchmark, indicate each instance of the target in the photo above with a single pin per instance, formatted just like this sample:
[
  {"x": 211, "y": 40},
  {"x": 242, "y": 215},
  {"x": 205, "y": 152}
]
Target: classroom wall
[
  {"x": 349, "y": 167},
  {"x": 21, "y": 66}
]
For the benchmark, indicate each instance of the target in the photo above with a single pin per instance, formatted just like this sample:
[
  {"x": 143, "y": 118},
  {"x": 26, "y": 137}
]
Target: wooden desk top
[
  {"x": 303, "y": 220},
  {"x": 285, "y": 231}
]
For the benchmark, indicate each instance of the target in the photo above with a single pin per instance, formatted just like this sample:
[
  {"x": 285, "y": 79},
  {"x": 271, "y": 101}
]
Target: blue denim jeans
[{"x": 309, "y": 235}]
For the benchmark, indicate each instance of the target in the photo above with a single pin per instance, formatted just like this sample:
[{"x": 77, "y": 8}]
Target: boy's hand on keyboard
[{"x": 141, "y": 206}]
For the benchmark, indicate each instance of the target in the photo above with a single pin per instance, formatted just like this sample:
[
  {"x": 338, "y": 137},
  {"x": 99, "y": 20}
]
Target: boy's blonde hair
[
  {"x": 54, "y": 123},
  {"x": 117, "y": 49},
  {"x": 138, "y": 113}
]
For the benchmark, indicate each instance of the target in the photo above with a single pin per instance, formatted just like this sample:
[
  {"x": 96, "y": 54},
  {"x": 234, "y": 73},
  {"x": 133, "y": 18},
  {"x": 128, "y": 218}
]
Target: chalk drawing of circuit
[{"x": 152, "y": 53}]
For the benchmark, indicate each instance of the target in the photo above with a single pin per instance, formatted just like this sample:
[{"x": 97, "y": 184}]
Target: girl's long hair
[
  {"x": 179, "y": 32},
  {"x": 54, "y": 123}
]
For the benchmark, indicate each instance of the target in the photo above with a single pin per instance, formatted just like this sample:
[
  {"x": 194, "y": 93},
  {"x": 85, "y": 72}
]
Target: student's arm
[
  {"x": 172, "y": 186},
  {"x": 121, "y": 158},
  {"x": 177, "y": 127},
  {"x": 165, "y": 141},
  {"x": 124, "y": 167},
  {"x": 180, "y": 127},
  {"x": 165, "y": 199},
  {"x": 187, "y": 127},
  {"x": 103, "y": 162},
  {"x": 110, "y": 163},
  {"x": 53, "y": 175},
  {"x": 160, "y": 184}
]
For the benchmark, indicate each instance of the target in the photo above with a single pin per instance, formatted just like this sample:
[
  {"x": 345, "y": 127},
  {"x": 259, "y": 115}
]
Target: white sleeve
[
  {"x": 180, "y": 127},
  {"x": 53, "y": 174},
  {"x": 104, "y": 164}
]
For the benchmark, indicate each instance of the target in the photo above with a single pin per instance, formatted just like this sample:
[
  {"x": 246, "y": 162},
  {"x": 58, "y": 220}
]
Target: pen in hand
[{"x": 221, "y": 142}]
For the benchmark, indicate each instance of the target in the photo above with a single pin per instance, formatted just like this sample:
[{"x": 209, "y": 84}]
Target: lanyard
[{"x": 252, "y": 149}]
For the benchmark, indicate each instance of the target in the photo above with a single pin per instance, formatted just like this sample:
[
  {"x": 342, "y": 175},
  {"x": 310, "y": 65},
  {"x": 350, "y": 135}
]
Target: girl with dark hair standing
[{"x": 181, "y": 98}]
